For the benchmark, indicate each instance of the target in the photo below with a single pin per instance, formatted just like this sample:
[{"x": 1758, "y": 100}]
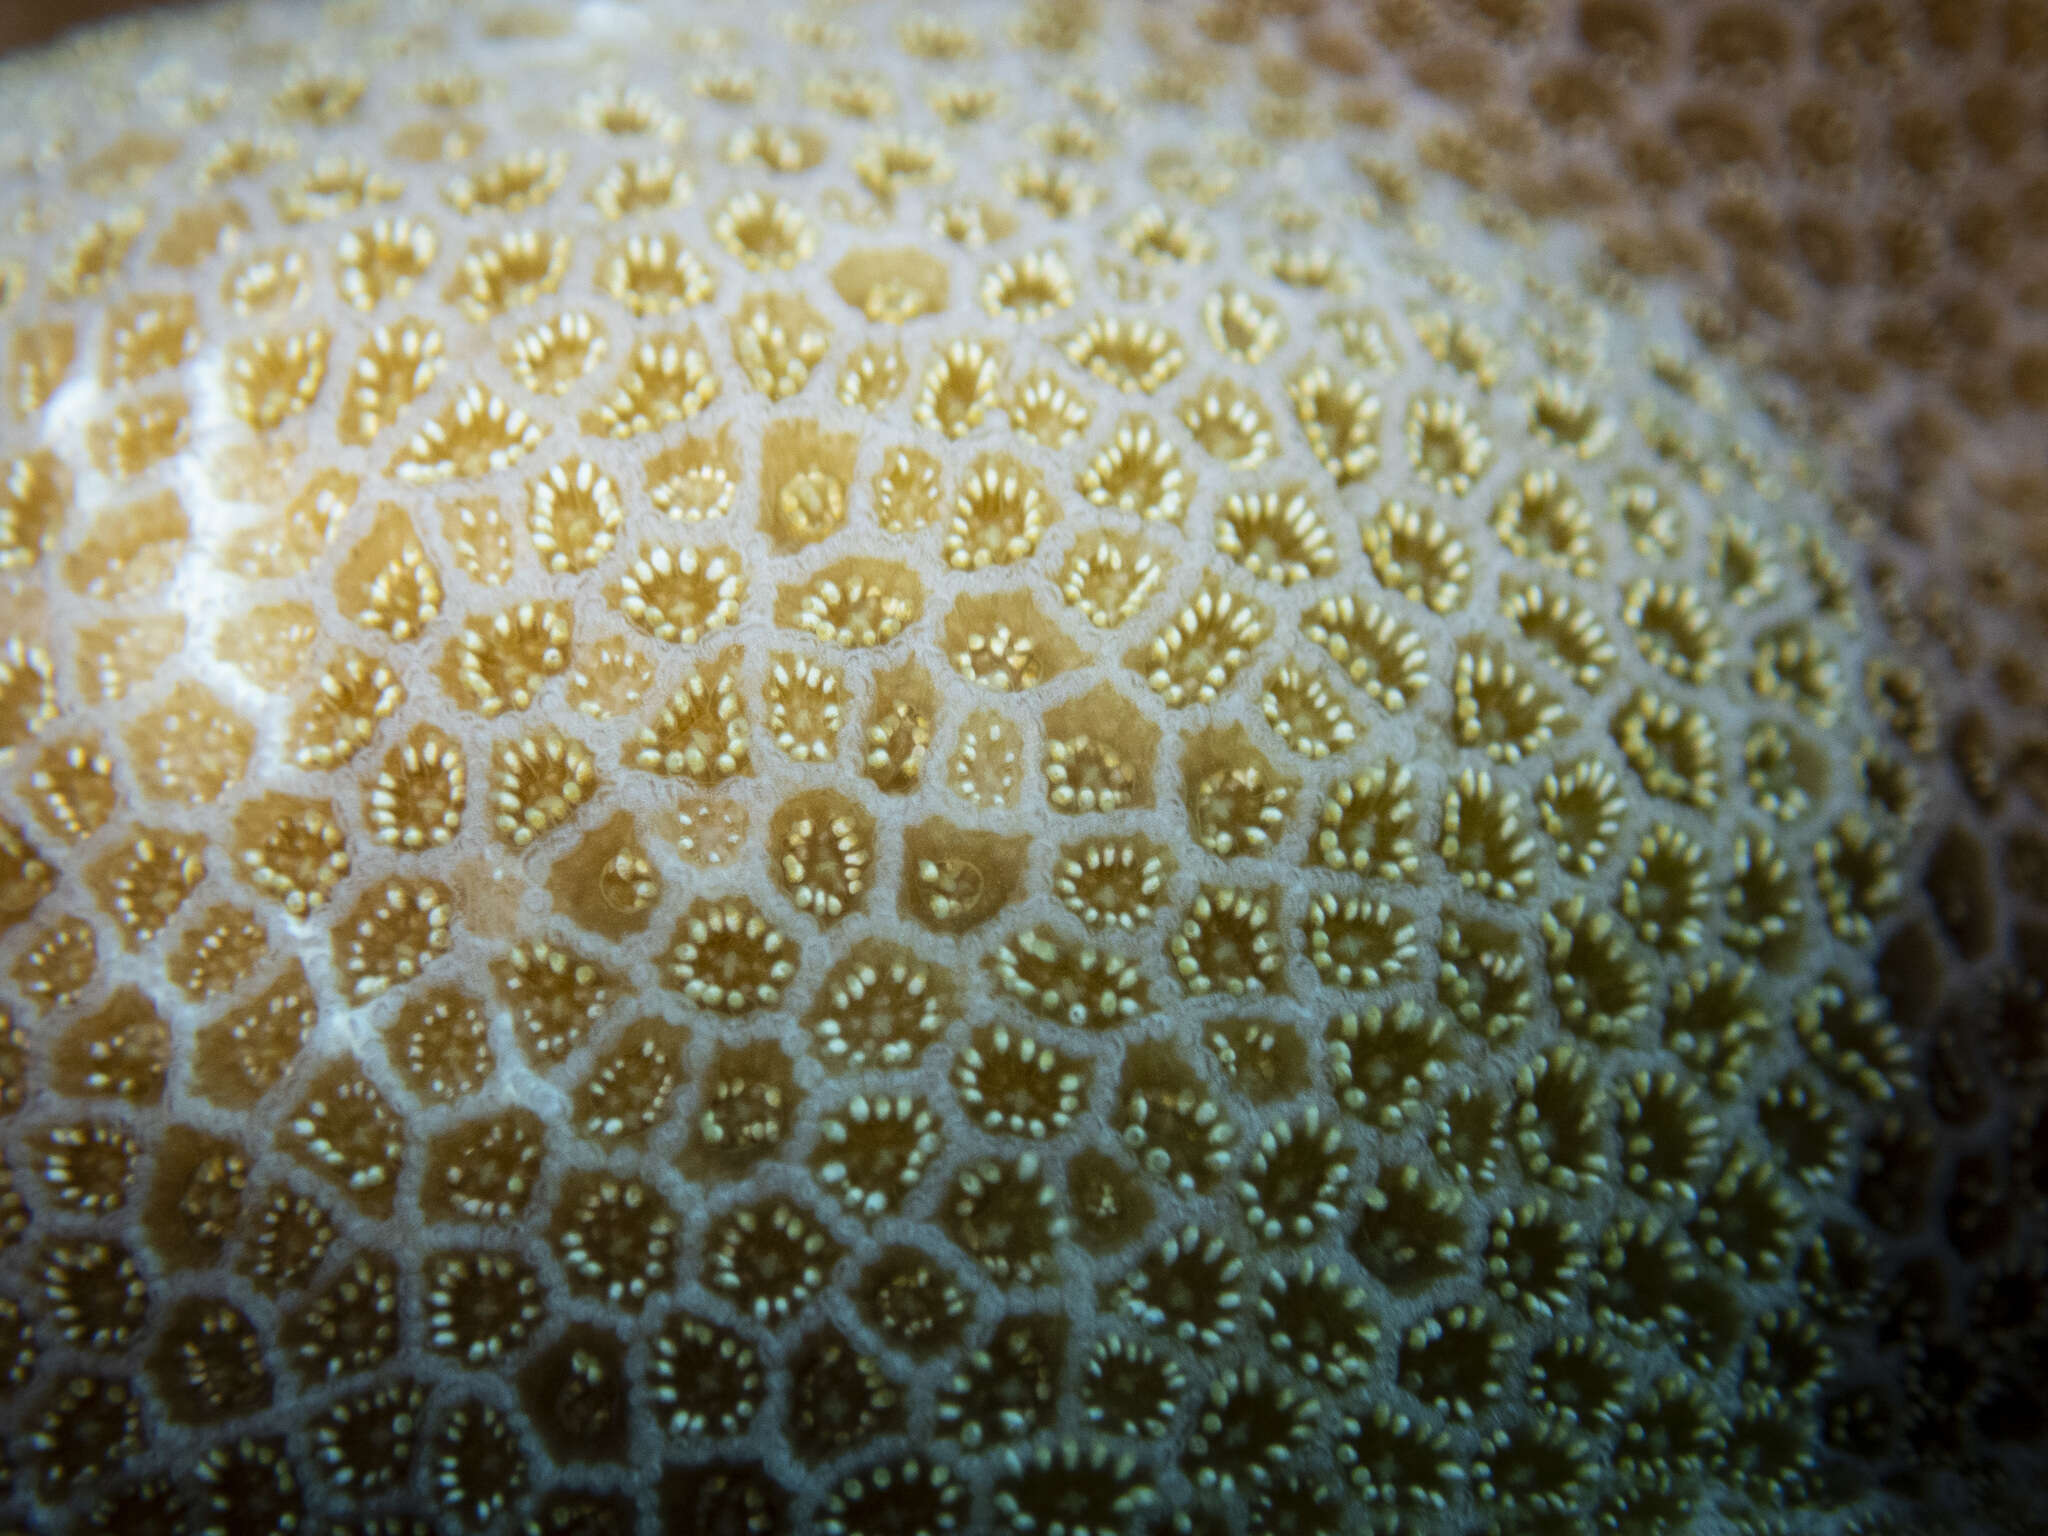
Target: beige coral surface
[{"x": 852, "y": 770}]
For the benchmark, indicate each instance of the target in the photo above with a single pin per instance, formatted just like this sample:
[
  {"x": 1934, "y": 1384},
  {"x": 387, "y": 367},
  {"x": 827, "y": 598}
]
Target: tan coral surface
[{"x": 867, "y": 771}]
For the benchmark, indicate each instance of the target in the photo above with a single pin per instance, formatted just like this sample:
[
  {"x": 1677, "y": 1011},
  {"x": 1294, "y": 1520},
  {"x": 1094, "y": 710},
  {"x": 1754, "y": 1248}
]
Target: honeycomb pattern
[{"x": 864, "y": 771}]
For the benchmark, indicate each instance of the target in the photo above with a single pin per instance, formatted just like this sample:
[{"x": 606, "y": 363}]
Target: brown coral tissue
[{"x": 1045, "y": 767}]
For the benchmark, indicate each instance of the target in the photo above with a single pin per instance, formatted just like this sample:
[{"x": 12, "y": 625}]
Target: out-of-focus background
[{"x": 24, "y": 23}]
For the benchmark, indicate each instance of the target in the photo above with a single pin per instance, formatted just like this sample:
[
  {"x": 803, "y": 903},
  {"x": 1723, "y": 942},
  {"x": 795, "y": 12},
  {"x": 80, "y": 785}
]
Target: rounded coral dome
[{"x": 1056, "y": 768}]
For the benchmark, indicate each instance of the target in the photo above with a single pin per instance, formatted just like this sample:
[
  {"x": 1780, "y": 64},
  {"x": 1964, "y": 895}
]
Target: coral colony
[{"x": 1065, "y": 768}]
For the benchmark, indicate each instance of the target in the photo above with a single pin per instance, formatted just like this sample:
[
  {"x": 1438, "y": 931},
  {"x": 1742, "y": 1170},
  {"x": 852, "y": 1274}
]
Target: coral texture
[{"x": 866, "y": 771}]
